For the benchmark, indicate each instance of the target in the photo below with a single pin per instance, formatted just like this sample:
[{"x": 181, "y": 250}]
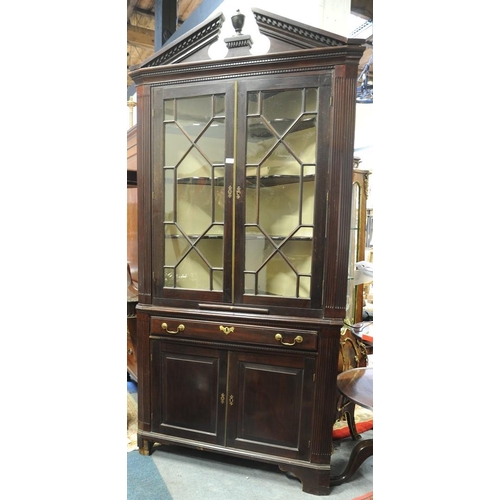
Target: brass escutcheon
[
  {"x": 180, "y": 328},
  {"x": 297, "y": 340},
  {"x": 226, "y": 329},
  {"x": 231, "y": 400}
]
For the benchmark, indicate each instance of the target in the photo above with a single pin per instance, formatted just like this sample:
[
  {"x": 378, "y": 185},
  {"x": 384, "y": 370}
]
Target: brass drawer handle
[
  {"x": 226, "y": 329},
  {"x": 297, "y": 340},
  {"x": 180, "y": 328}
]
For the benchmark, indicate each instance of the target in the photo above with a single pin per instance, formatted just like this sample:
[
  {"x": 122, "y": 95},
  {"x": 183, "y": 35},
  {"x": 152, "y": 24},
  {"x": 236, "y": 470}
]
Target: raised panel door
[
  {"x": 189, "y": 386},
  {"x": 270, "y": 403}
]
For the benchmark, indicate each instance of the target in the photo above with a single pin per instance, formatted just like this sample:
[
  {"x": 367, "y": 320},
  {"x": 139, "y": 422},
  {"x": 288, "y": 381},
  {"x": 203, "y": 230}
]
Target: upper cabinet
[
  {"x": 235, "y": 173},
  {"x": 248, "y": 160}
]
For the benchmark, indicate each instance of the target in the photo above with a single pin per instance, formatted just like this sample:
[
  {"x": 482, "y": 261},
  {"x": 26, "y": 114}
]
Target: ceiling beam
[
  {"x": 146, "y": 13},
  {"x": 165, "y": 21},
  {"x": 362, "y": 8},
  {"x": 131, "y": 5},
  {"x": 140, "y": 36}
]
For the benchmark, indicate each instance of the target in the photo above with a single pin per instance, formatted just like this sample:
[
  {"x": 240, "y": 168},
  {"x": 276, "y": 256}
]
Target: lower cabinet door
[
  {"x": 188, "y": 384},
  {"x": 270, "y": 398}
]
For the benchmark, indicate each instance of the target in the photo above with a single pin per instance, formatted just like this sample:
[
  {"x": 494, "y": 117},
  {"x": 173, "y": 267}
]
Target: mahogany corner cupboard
[{"x": 245, "y": 156}]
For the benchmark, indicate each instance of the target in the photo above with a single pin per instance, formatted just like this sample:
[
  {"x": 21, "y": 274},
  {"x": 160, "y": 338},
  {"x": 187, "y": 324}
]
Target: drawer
[{"x": 233, "y": 332}]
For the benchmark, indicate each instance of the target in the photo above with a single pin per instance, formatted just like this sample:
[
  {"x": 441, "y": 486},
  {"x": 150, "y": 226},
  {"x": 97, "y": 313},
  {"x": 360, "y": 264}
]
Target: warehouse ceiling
[{"x": 141, "y": 28}]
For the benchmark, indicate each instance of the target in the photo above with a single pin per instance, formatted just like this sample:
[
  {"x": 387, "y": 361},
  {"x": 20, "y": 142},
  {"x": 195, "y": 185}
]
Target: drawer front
[{"x": 232, "y": 332}]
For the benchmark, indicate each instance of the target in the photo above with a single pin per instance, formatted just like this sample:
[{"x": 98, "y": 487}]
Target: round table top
[{"x": 357, "y": 385}]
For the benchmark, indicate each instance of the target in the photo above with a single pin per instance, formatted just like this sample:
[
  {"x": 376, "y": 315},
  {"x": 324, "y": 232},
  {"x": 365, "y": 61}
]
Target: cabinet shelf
[
  {"x": 265, "y": 180},
  {"x": 249, "y": 237},
  {"x": 278, "y": 238},
  {"x": 195, "y": 236},
  {"x": 277, "y": 179},
  {"x": 201, "y": 181}
]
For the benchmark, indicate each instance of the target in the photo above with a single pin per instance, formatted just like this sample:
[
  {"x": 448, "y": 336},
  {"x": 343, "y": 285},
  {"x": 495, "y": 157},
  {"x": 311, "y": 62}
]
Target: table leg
[{"x": 359, "y": 454}]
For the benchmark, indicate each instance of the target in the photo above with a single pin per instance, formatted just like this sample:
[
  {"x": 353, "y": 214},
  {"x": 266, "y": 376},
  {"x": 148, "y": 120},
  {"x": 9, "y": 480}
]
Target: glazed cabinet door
[
  {"x": 189, "y": 384},
  {"x": 270, "y": 403},
  {"x": 191, "y": 237},
  {"x": 282, "y": 167}
]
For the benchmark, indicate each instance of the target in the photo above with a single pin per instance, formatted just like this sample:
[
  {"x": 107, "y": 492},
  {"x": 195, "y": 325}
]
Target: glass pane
[
  {"x": 280, "y": 209},
  {"x": 169, "y": 278},
  {"x": 176, "y": 144},
  {"x": 258, "y": 249},
  {"x": 213, "y": 142},
  {"x": 308, "y": 202},
  {"x": 194, "y": 165},
  {"x": 260, "y": 140},
  {"x": 250, "y": 284},
  {"x": 194, "y": 207},
  {"x": 219, "y": 194},
  {"x": 176, "y": 245},
  {"x": 217, "y": 230},
  {"x": 219, "y": 105},
  {"x": 251, "y": 201},
  {"x": 277, "y": 278},
  {"x": 311, "y": 100},
  {"x": 253, "y": 103},
  {"x": 193, "y": 114},
  {"x": 169, "y": 195},
  {"x": 280, "y": 162},
  {"x": 304, "y": 287},
  {"x": 168, "y": 109},
  {"x": 282, "y": 108},
  {"x": 212, "y": 250},
  {"x": 309, "y": 171},
  {"x": 193, "y": 273},
  {"x": 218, "y": 277},
  {"x": 302, "y": 139},
  {"x": 299, "y": 254}
]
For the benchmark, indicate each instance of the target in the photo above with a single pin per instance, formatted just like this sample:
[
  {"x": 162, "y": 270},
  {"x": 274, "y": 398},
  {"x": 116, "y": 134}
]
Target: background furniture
[
  {"x": 245, "y": 180},
  {"x": 356, "y": 387},
  {"x": 353, "y": 352},
  {"x": 132, "y": 250}
]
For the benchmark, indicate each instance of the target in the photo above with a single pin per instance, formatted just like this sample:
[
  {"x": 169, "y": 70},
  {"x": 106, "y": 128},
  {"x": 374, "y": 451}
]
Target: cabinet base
[
  {"x": 145, "y": 446},
  {"x": 315, "y": 482},
  {"x": 315, "y": 478}
]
